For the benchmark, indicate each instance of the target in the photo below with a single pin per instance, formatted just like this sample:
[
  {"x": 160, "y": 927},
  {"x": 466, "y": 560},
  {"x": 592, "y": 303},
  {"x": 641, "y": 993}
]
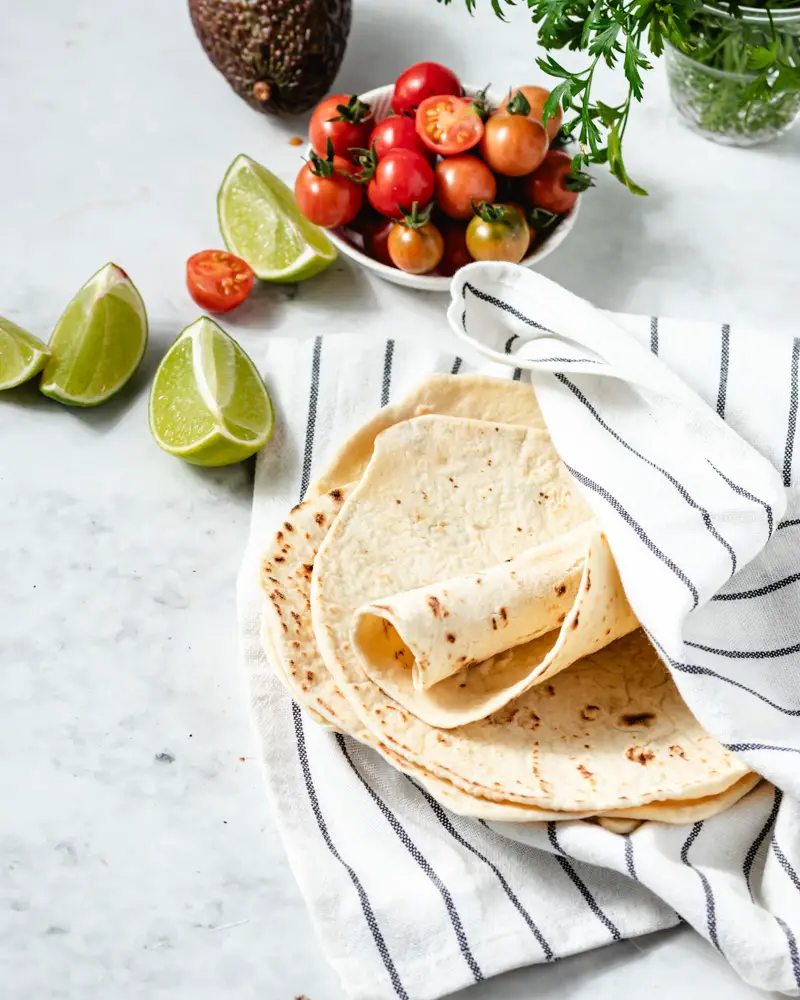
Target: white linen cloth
[{"x": 695, "y": 490}]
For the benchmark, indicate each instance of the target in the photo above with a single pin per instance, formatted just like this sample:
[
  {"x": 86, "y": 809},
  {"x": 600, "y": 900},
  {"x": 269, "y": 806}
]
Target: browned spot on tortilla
[
  {"x": 544, "y": 495},
  {"x": 643, "y": 718},
  {"x": 586, "y": 746},
  {"x": 398, "y": 501},
  {"x": 585, "y": 772},
  {"x": 308, "y": 536},
  {"x": 272, "y": 579},
  {"x": 588, "y": 586},
  {"x": 319, "y": 517},
  {"x": 288, "y": 525},
  {"x": 504, "y": 614},
  {"x": 424, "y": 495},
  {"x": 463, "y": 685},
  {"x": 295, "y": 644},
  {"x": 489, "y": 461},
  {"x": 561, "y": 617},
  {"x": 308, "y": 567},
  {"x": 285, "y": 548},
  {"x": 441, "y": 738},
  {"x": 560, "y": 589},
  {"x": 551, "y": 690},
  {"x": 276, "y": 595},
  {"x": 639, "y": 755},
  {"x": 462, "y": 659},
  {"x": 285, "y": 626},
  {"x": 279, "y": 559},
  {"x": 590, "y": 712},
  {"x": 450, "y": 637},
  {"x": 400, "y": 712},
  {"x": 677, "y": 751},
  {"x": 309, "y": 676},
  {"x": 497, "y": 429},
  {"x": 304, "y": 687},
  {"x": 608, "y": 631},
  {"x": 279, "y": 536},
  {"x": 435, "y": 606},
  {"x": 385, "y": 626},
  {"x": 494, "y": 624},
  {"x": 296, "y": 617},
  {"x": 296, "y": 507},
  {"x": 327, "y": 707},
  {"x": 336, "y": 495},
  {"x": 455, "y": 484},
  {"x": 574, "y": 622},
  {"x": 478, "y": 579}
]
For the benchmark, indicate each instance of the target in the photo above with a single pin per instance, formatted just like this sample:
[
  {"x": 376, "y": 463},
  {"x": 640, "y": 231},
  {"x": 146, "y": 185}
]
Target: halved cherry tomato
[
  {"x": 425, "y": 79},
  {"x": 536, "y": 98},
  {"x": 325, "y": 191},
  {"x": 397, "y": 132},
  {"x": 456, "y": 254},
  {"x": 498, "y": 232},
  {"x": 554, "y": 187},
  {"x": 449, "y": 125},
  {"x": 513, "y": 144},
  {"x": 460, "y": 181},
  {"x": 401, "y": 178},
  {"x": 346, "y": 121},
  {"x": 217, "y": 280},
  {"x": 415, "y": 244}
]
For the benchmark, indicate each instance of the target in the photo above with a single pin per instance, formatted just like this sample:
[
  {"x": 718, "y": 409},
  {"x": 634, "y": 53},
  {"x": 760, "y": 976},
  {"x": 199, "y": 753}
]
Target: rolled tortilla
[{"x": 455, "y": 652}]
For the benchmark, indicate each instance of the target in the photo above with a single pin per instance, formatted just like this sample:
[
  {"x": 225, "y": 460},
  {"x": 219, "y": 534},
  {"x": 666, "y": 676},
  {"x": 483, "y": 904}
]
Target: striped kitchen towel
[{"x": 682, "y": 437}]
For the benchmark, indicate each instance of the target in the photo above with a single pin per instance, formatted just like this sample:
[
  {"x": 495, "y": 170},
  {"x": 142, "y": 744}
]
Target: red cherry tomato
[
  {"x": 397, "y": 132},
  {"x": 376, "y": 239},
  {"x": 218, "y": 281},
  {"x": 456, "y": 254},
  {"x": 553, "y": 186},
  {"x": 401, "y": 178},
  {"x": 513, "y": 144},
  {"x": 425, "y": 79},
  {"x": 343, "y": 120},
  {"x": 326, "y": 193},
  {"x": 460, "y": 181},
  {"x": 536, "y": 97},
  {"x": 415, "y": 247},
  {"x": 448, "y": 124}
]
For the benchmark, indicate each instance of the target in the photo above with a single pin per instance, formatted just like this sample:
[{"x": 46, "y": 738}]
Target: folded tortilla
[
  {"x": 609, "y": 733},
  {"x": 457, "y": 651},
  {"x": 291, "y": 647}
]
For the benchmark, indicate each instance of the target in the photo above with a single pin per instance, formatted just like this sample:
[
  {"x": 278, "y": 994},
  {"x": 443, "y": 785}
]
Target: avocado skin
[{"x": 278, "y": 55}]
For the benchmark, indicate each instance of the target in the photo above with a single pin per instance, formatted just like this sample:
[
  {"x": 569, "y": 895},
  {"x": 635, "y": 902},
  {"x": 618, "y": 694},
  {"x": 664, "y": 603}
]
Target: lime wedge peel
[
  {"x": 208, "y": 402},
  {"x": 261, "y": 223},
  {"x": 21, "y": 355},
  {"x": 99, "y": 341}
]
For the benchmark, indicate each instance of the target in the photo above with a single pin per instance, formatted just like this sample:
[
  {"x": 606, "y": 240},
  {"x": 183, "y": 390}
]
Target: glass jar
[{"x": 713, "y": 85}]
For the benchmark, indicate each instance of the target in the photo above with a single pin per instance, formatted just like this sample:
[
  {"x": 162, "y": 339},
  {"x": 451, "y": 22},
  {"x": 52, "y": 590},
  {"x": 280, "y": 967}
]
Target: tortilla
[
  {"x": 479, "y": 397},
  {"x": 609, "y": 733},
  {"x": 291, "y": 648},
  {"x": 455, "y": 652}
]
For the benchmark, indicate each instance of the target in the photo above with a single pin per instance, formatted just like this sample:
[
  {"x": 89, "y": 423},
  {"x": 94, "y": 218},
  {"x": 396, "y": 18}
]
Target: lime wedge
[
  {"x": 261, "y": 223},
  {"x": 208, "y": 403},
  {"x": 98, "y": 342},
  {"x": 21, "y": 354}
]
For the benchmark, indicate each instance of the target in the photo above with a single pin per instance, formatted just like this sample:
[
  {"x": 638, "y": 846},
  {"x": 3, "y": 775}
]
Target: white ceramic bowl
[{"x": 381, "y": 99}]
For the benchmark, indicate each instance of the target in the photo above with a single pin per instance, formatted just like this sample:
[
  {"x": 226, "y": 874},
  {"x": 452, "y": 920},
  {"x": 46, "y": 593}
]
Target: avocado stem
[{"x": 262, "y": 91}]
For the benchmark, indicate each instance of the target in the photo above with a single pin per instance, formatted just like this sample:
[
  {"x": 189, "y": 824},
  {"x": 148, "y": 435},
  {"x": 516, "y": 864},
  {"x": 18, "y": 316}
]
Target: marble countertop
[{"x": 139, "y": 859}]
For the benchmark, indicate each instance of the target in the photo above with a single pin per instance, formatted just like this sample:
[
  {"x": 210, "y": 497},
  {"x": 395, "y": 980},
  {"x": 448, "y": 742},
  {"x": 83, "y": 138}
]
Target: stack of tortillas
[{"x": 445, "y": 595}]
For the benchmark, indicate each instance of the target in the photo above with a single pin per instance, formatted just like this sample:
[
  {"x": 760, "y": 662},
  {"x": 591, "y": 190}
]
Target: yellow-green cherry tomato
[{"x": 498, "y": 232}]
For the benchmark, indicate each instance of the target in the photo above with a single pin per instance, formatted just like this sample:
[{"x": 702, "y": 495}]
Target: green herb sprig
[{"x": 617, "y": 32}]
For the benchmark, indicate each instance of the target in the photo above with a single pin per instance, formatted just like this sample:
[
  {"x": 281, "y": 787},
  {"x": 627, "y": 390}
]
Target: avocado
[{"x": 278, "y": 55}]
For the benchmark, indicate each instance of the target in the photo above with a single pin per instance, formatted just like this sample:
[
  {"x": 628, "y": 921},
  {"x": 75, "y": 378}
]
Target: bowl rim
[{"x": 432, "y": 281}]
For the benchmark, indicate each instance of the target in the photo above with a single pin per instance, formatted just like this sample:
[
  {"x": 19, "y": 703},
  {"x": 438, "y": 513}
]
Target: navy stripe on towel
[
  {"x": 501, "y": 305},
  {"x": 793, "y": 954},
  {"x": 744, "y": 747},
  {"x": 422, "y": 861},
  {"x": 386, "y": 386},
  {"x": 784, "y": 862},
  {"x": 711, "y": 909},
  {"x": 442, "y": 816},
  {"x": 789, "y": 524},
  {"x": 724, "y": 361},
  {"x": 311, "y": 423},
  {"x": 668, "y": 476},
  {"x": 629, "y": 857},
  {"x": 579, "y": 884},
  {"x": 769, "y": 588},
  {"x": 457, "y": 363},
  {"x": 748, "y": 654},
  {"x": 601, "y": 491},
  {"x": 755, "y": 847},
  {"x": 742, "y": 492},
  {"x": 791, "y": 429},
  {"x": 654, "y": 334},
  {"x": 697, "y": 671}
]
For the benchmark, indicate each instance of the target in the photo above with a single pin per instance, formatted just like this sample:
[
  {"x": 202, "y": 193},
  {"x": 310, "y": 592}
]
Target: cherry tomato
[
  {"x": 401, "y": 178},
  {"x": 425, "y": 79},
  {"x": 448, "y": 124},
  {"x": 346, "y": 121},
  {"x": 536, "y": 97},
  {"x": 376, "y": 238},
  {"x": 326, "y": 193},
  {"x": 513, "y": 144},
  {"x": 456, "y": 254},
  {"x": 518, "y": 208},
  {"x": 218, "y": 281},
  {"x": 498, "y": 232},
  {"x": 460, "y": 180},
  {"x": 554, "y": 187},
  {"x": 415, "y": 244},
  {"x": 397, "y": 132}
]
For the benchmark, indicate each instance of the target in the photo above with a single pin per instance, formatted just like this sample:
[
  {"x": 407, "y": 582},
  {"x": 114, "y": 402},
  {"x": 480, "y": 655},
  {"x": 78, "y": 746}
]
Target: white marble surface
[{"x": 126, "y": 876}]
